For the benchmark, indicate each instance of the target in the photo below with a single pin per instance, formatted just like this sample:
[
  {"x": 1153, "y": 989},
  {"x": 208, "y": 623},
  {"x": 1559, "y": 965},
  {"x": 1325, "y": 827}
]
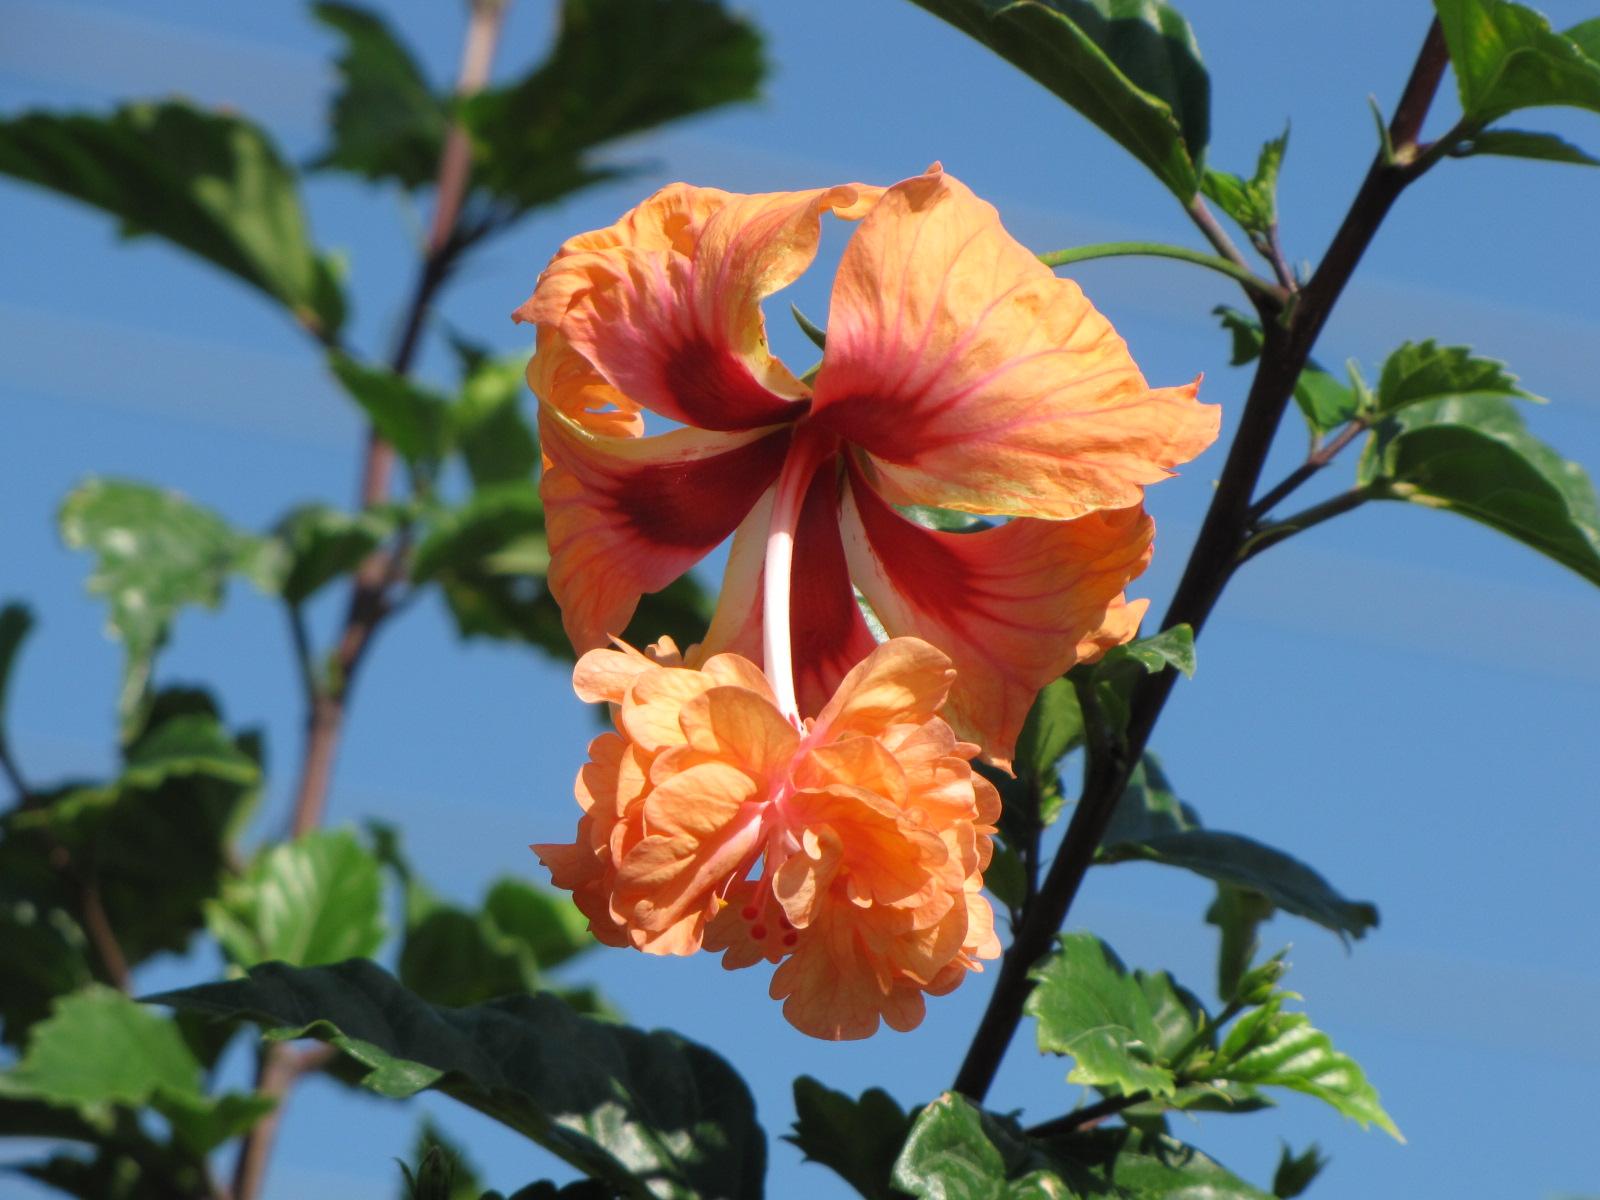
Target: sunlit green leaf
[
  {"x": 1270, "y": 1047},
  {"x": 386, "y": 123},
  {"x": 188, "y": 744},
  {"x": 1130, "y": 66},
  {"x": 155, "y": 552},
  {"x": 315, "y": 900},
  {"x": 617, "y": 67},
  {"x": 1473, "y": 455},
  {"x": 858, "y": 1139},
  {"x": 650, "y": 1113},
  {"x": 489, "y": 429},
  {"x": 1506, "y": 57},
  {"x": 1419, "y": 371},
  {"x": 1325, "y": 403},
  {"x": 210, "y": 182},
  {"x": 500, "y": 530},
  {"x": 949, "y": 1156},
  {"x": 1090, "y": 1007},
  {"x": 1252, "y": 202}
]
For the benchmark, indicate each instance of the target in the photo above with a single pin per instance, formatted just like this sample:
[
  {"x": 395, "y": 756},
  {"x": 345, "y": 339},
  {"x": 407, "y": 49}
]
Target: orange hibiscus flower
[
  {"x": 848, "y": 848},
  {"x": 959, "y": 373}
]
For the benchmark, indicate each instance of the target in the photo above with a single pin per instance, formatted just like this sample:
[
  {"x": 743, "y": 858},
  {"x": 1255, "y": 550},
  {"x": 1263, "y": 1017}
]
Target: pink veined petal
[
  {"x": 979, "y": 381},
  {"x": 1009, "y": 605},
  {"x": 666, "y": 304},
  {"x": 626, "y": 516}
]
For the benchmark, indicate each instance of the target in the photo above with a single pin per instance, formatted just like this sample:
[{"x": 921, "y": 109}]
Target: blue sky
[{"x": 1402, "y": 698}]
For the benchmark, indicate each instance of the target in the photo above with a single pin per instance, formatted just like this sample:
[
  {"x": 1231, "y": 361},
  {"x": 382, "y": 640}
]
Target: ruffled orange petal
[
  {"x": 902, "y": 682},
  {"x": 979, "y": 381},
  {"x": 666, "y": 303},
  {"x": 1010, "y": 605},
  {"x": 626, "y": 516}
]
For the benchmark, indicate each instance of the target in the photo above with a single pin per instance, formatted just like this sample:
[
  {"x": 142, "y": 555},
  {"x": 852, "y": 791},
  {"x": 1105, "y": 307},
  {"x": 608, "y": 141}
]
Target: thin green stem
[{"x": 1251, "y": 281}]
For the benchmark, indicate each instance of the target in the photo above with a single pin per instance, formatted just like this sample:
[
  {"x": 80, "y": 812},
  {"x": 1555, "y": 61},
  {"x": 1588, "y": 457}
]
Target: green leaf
[
  {"x": 412, "y": 418},
  {"x": 210, "y": 182},
  {"x": 43, "y": 954},
  {"x": 318, "y": 544},
  {"x": 16, "y": 620},
  {"x": 315, "y": 900},
  {"x": 1325, "y": 403},
  {"x": 100, "y": 1048},
  {"x": 1506, "y": 57},
  {"x": 1252, "y": 202},
  {"x": 188, "y": 744},
  {"x": 1089, "y": 1006},
  {"x": 1518, "y": 143},
  {"x": 500, "y": 530},
  {"x": 858, "y": 1140},
  {"x": 386, "y": 122},
  {"x": 1143, "y": 1166},
  {"x": 1151, "y": 825},
  {"x": 946, "y": 520},
  {"x": 487, "y": 422},
  {"x": 1238, "y": 913},
  {"x": 455, "y": 957},
  {"x": 1420, "y": 371},
  {"x": 816, "y": 333},
  {"x": 1130, "y": 66},
  {"x": 1296, "y": 1172},
  {"x": 156, "y": 843},
  {"x": 1170, "y": 648},
  {"x": 1473, "y": 455},
  {"x": 155, "y": 552},
  {"x": 444, "y": 1172},
  {"x": 1270, "y": 1047},
  {"x": 618, "y": 67},
  {"x": 650, "y": 1113},
  {"x": 1032, "y": 798},
  {"x": 949, "y": 1155}
]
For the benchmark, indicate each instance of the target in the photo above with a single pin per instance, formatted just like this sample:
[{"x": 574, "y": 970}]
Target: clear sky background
[{"x": 1404, "y": 699}]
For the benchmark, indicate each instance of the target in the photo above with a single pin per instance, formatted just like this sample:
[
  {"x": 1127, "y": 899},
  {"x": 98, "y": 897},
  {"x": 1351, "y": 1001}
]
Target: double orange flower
[{"x": 959, "y": 373}]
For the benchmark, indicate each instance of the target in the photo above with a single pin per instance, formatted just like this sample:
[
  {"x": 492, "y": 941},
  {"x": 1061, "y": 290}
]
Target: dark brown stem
[
  {"x": 370, "y": 590},
  {"x": 1087, "y": 1116},
  {"x": 1287, "y": 346},
  {"x": 1279, "y": 531},
  {"x": 1315, "y": 461}
]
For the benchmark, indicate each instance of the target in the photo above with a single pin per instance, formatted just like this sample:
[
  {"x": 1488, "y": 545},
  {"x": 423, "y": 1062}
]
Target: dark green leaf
[
  {"x": 1506, "y": 57},
  {"x": 1420, "y": 371},
  {"x": 386, "y": 122},
  {"x": 1170, "y": 648},
  {"x": 1032, "y": 798},
  {"x": 488, "y": 426},
  {"x": 455, "y": 957},
  {"x": 188, "y": 744},
  {"x": 413, "y": 418},
  {"x": 1296, "y": 1171},
  {"x": 500, "y": 530},
  {"x": 1517, "y": 143},
  {"x": 858, "y": 1139},
  {"x": 818, "y": 335},
  {"x": 43, "y": 954},
  {"x": 315, "y": 900},
  {"x": 1130, "y": 66},
  {"x": 155, "y": 552},
  {"x": 1474, "y": 455},
  {"x": 1090, "y": 1007},
  {"x": 1238, "y": 914},
  {"x": 1270, "y": 1047},
  {"x": 949, "y": 1156},
  {"x": 619, "y": 1104},
  {"x": 1151, "y": 825},
  {"x": 15, "y": 622},
  {"x": 444, "y": 1172},
  {"x": 122, "y": 1173},
  {"x": 1246, "y": 334},
  {"x": 618, "y": 67},
  {"x": 210, "y": 182},
  {"x": 318, "y": 544}
]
